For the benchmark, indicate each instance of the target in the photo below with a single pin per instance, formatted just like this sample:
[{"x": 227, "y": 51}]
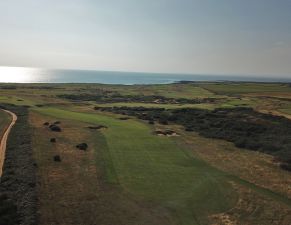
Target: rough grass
[
  {"x": 156, "y": 170},
  {"x": 166, "y": 90},
  {"x": 5, "y": 118},
  {"x": 152, "y": 105},
  {"x": 262, "y": 186},
  {"x": 245, "y": 88},
  {"x": 76, "y": 190}
]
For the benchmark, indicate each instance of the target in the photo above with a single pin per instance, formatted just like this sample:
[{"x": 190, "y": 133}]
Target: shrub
[
  {"x": 285, "y": 166},
  {"x": 55, "y": 128},
  {"x": 8, "y": 212},
  {"x": 82, "y": 146},
  {"x": 240, "y": 143},
  {"x": 57, "y": 158},
  {"x": 163, "y": 121},
  {"x": 189, "y": 129},
  {"x": 151, "y": 122}
]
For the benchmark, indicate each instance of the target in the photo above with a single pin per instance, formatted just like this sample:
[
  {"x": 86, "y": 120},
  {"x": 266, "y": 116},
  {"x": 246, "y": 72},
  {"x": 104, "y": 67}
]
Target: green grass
[
  {"x": 167, "y": 90},
  {"x": 245, "y": 88},
  {"x": 286, "y": 109},
  {"x": 232, "y": 103},
  {"x": 155, "y": 169},
  {"x": 16, "y": 100}
]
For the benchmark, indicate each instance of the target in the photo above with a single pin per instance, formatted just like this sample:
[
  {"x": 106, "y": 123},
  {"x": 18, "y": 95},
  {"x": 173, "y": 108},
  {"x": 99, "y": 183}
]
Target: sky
[{"x": 171, "y": 36}]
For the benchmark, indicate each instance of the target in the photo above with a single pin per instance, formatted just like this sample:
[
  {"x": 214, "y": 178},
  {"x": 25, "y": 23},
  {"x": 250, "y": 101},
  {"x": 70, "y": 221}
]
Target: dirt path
[{"x": 4, "y": 140}]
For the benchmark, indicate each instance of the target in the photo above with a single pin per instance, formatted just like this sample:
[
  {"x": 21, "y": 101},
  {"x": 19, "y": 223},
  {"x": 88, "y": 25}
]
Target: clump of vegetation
[
  {"x": 151, "y": 122},
  {"x": 57, "y": 158},
  {"x": 8, "y": 87},
  {"x": 8, "y": 211},
  {"x": 116, "y": 97},
  {"x": 55, "y": 128},
  {"x": 82, "y": 146},
  {"x": 285, "y": 166}
]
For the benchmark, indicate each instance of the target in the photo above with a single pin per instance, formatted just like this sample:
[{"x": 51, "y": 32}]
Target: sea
[{"x": 38, "y": 75}]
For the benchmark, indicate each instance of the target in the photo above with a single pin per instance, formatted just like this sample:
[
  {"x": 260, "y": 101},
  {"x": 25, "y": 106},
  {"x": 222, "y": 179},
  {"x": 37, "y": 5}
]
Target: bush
[
  {"x": 189, "y": 129},
  {"x": 163, "y": 121},
  {"x": 55, "y": 128},
  {"x": 240, "y": 143},
  {"x": 151, "y": 122},
  {"x": 82, "y": 146},
  {"x": 57, "y": 158},
  {"x": 8, "y": 213},
  {"x": 285, "y": 166}
]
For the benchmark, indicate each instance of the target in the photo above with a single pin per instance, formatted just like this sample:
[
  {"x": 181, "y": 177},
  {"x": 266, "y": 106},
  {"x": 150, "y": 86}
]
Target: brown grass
[
  {"x": 253, "y": 209},
  {"x": 255, "y": 167},
  {"x": 73, "y": 191}
]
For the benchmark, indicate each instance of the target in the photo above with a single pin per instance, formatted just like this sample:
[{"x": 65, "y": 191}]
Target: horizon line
[{"x": 250, "y": 75}]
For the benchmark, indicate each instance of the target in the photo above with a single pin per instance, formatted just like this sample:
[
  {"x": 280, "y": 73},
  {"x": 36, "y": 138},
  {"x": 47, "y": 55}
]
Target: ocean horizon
[{"x": 38, "y": 75}]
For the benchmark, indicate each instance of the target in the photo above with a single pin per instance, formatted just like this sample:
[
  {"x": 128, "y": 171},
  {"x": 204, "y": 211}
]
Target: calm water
[{"x": 34, "y": 75}]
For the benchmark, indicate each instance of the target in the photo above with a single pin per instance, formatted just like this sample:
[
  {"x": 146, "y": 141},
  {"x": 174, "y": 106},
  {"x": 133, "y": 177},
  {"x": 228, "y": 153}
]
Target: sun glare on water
[{"x": 16, "y": 74}]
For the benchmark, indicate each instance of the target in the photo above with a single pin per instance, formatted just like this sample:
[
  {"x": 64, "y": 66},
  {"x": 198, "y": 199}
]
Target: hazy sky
[{"x": 187, "y": 36}]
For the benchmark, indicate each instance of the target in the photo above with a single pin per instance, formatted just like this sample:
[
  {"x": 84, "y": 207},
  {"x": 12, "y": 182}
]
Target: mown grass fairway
[{"x": 154, "y": 169}]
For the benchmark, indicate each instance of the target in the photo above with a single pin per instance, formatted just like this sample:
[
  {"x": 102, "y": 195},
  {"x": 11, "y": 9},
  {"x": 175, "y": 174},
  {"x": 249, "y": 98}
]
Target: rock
[
  {"x": 57, "y": 122},
  {"x": 55, "y": 128},
  {"x": 46, "y": 123},
  {"x": 57, "y": 158},
  {"x": 53, "y": 140},
  {"x": 82, "y": 146}
]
